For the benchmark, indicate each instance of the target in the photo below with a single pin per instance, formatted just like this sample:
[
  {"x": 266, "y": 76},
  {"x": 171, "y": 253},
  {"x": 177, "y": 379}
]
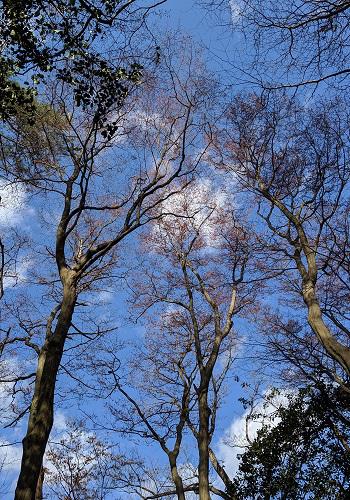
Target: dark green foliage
[
  {"x": 305, "y": 454},
  {"x": 13, "y": 95},
  {"x": 62, "y": 38}
]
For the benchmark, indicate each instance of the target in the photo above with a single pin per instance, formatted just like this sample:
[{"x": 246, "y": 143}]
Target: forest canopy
[{"x": 174, "y": 249}]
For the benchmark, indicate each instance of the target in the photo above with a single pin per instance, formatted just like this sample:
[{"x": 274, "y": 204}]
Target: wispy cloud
[
  {"x": 236, "y": 10},
  {"x": 13, "y": 204}
]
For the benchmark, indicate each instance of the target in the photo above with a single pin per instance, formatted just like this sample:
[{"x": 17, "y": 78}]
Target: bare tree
[
  {"x": 72, "y": 42},
  {"x": 80, "y": 466},
  {"x": 294, "y": 161},
  {"x": 193, "y": 285},
  {"x": 290, "y": 44},
  {"x": 103, "y": 193}
]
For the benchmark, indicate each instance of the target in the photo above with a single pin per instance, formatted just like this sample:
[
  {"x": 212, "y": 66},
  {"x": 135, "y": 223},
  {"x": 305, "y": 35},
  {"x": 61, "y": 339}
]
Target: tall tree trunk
[
  {"x": 176, "y": 478},
  {"x": 203, "y": 444},
  {"x": 39, "y": 486},
  {"x": 42, "y": 406}
]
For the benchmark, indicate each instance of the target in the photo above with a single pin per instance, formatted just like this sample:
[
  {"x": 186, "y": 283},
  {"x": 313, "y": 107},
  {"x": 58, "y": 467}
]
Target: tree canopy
[{"x": 174, "y": 250}]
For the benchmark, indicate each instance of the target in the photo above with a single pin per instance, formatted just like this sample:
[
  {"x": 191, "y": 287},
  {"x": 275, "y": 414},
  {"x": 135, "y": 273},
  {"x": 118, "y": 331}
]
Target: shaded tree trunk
[
  {"x": 41, "y": 411},
  {"x": 203, "y": 444},
  {"x": 39, "y": 486}
]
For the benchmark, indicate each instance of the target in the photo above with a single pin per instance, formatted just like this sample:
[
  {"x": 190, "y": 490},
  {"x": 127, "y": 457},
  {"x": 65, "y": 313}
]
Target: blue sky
[{"x": 213, "y": 31}]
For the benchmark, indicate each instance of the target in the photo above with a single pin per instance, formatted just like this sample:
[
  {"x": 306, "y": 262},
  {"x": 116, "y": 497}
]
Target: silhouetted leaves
[
  {"x": 59, "y": 37},
  {"x": 303, "y": 456}
]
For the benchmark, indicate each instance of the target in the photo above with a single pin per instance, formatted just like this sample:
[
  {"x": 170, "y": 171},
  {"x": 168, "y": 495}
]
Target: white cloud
[
  {"x": 5, "y": 398},
  {"x": 242, "y": 430},
  {"x": 76, "y": 437},
  {"x": 197, "y": 205},
  {"x": 188, "y": 472},
  {"x": 236, "y": 10},
  {"x": 144, "y": 119},
  {"x": 136, "y": 121},
  {"x": 233, "y": 350},
  {"x": 18, "y": 274},
  {"x": 60, "y": 424},
  {"x": 127, "y": 121},
  {"x": 104, "y": 297},
  {"x": 13, "y": 205}
]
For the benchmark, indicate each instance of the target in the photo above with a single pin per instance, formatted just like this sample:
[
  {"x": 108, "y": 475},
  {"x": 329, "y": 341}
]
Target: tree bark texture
[
  {"x": 203, "y": 445},
  {"x": 42, "y": 407}
]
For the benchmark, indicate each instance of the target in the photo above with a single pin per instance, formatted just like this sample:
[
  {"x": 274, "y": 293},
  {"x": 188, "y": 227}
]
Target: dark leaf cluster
[
  {"x": 61, "y": 38},
  {"x": 305, "y": 455}
]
